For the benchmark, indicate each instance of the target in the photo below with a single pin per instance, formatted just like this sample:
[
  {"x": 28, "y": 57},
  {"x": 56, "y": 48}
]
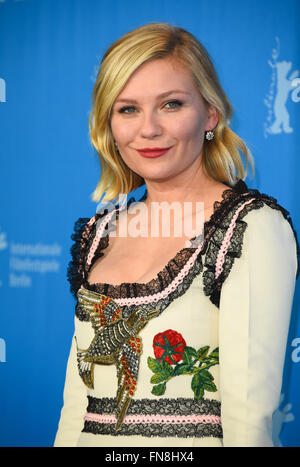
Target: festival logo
[
  {"x": 284, "y": 83},
  {"x": 282, "y": 415}
]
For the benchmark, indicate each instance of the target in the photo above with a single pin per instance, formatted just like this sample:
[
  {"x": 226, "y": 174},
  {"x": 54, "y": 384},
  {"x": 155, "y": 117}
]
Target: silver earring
[
  {"x": 116, "y": 145},
  {"x": 209, "y": 135}
]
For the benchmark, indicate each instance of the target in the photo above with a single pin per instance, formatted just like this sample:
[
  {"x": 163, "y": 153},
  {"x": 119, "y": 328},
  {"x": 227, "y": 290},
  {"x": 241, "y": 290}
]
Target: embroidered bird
[{"x": 115, "y": 342}]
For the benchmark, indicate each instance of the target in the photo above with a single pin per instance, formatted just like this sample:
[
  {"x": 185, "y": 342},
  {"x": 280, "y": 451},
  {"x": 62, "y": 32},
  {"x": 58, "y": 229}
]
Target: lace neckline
[{"x": 173, "y": 266}]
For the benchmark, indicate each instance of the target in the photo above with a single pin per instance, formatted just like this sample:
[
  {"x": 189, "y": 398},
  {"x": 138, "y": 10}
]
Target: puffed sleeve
[
  {"x": 255, "y": 308},
  {"x": 75, "y": 403}
]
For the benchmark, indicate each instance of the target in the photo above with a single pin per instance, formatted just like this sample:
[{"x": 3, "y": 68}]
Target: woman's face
[{"x": 160, "y": 107}]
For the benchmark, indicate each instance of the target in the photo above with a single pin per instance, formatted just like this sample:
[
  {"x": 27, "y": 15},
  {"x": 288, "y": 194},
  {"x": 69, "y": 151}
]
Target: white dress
[{"x": 195, "y": 356}]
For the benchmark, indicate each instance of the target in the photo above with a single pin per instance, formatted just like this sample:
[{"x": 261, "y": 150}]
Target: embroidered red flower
[{"x": 169, "y": 346}]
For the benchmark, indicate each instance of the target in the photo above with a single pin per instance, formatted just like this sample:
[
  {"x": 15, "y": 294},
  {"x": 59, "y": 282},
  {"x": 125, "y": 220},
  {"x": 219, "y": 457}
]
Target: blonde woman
[{"x": 179, "y": 339}]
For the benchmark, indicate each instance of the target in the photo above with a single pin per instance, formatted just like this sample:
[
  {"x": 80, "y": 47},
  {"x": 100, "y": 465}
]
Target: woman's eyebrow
[{"x": 164, "y": 94}]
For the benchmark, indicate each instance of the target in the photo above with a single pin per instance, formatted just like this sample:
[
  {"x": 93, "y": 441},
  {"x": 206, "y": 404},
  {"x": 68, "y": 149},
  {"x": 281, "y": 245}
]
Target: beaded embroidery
[{"x": 115, "y": 342}]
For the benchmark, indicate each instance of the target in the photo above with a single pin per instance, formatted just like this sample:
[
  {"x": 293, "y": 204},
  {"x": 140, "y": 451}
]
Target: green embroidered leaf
[
  {"x": 211, "y": 387},
  {"x": 197, "y": 386},
  {"x": 182, "y": 369},
  {"x": 206, "y": 375},
  {"x": 215, "y": 353},
  {"x": 154, "y": 365},
  {"x": 158, "y": 378},
  {"x": 186, "y": 358},
  {"x": 188, "y": 354},
  {"x": 159, "y": 390},
  {"x": 200, "y": 393},
  {"x": 202, "y": 352},
  {"x": 166, "y": 368}
]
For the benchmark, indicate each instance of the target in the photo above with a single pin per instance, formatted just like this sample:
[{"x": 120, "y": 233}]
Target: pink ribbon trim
[{"x": 165, "y": 419}]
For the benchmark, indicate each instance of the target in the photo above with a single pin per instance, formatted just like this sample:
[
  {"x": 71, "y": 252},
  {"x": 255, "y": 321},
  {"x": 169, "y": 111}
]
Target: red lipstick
[{"x": 153, "y": 152}]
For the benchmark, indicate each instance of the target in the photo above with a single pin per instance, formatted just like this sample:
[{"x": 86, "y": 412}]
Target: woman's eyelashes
[
  {"x": 170, "y": 105},
  {"x": 174, "y": 104}
]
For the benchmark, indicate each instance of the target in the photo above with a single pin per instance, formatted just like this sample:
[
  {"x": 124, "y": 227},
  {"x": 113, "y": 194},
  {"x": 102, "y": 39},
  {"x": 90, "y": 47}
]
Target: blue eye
[
  {"x": 174, "y": 104},
  {"x": 129, "y": 109},
  {"x": 125, "y": 109}
]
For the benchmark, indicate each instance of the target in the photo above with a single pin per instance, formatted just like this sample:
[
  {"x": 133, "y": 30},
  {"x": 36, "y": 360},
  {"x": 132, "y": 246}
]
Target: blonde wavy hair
[{"x": 221, "y": 157}]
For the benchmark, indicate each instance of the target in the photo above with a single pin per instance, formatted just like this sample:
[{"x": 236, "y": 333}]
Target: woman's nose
[{"x": 150, "y": 125}]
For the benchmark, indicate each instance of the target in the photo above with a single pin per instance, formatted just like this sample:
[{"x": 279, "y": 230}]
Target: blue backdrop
[{"x": 50, "y": 51}]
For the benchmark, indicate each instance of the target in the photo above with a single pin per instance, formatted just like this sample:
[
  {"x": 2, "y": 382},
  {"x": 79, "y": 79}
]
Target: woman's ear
[{"x": 212, "y": 118}]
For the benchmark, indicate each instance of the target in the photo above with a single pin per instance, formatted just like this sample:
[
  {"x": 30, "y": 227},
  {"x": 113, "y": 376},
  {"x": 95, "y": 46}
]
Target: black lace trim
[
  {"x": 160, "y": 304},
  {"x": 188, "y": 430},
  {"x": 163, "y": 278},
  {"x": 165, "y": 406},
  {"x": 214, "y": 231},
  {"x": 212, "y": 286},
  {"x": 82, "y": 238},
  {"x": 75, "y": 265}
]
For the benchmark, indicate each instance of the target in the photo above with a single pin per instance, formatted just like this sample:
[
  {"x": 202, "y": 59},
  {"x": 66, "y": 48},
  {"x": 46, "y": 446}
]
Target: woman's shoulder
[
  {"x": 89, "y": 237},
  {"x": 82, "y": 236},
  {"x": 242, "y": 206},
  {"x": 241, "y": 210},
  {"x": 241, "y": 200}
]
